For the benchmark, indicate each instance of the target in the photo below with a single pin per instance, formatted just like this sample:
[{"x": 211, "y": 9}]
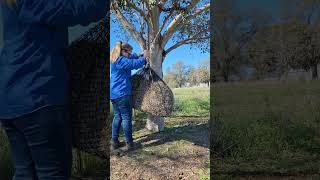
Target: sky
[
  {"x": 194, "y": 56},
  {"x": 184, "y": 53},
  {"x": 189, "y": 55}
]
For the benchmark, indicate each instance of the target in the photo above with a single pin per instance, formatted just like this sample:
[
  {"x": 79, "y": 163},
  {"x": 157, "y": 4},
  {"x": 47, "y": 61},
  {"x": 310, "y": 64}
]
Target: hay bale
[
  {"x": 151, "y": 94},
  {"x": 87, "y": 59}
]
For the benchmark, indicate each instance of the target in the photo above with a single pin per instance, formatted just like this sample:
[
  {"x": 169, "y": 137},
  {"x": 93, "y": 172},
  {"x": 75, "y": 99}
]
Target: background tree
[
  {"x": 178, "y": 76},
  {"x": 308, "y": 55},
  {"x": 153, "y": 24},
  {"x": 180, "y": 71},
  {"x": 193, "y": 78},
  {"x": 170, "y": 79},
  {"x": 203, "y": 72},
  {"x": 182, "y": 75},
  {"x": 284, "y": 43},
  {"x": 305, "y": 14},
  {"x": 263, "y": 52},
  {"x": 232, "y": 30}
]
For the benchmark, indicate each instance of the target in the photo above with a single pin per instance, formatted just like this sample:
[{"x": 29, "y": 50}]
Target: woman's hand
[{"x": 146, "y": 54}]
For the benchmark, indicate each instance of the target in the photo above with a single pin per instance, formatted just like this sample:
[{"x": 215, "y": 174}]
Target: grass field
[
  {"x": 180, "y": 152},
  {"x": 266, "y": 128},
  {"x": 192, "y": 102},
  {"x": 258, "y": 130},
  {"x": 185, "y": 142}
]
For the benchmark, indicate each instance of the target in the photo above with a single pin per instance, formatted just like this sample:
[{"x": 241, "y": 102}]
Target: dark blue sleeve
[
  {"x": 130, "y": 64},
  {"x": 134, "y": 56},
  {"x": 62, "y": 12}
]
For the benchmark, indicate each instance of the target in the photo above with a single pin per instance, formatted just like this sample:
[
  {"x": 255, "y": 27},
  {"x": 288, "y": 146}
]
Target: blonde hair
[
  {"x": 116, "y": 51},
  {"x": 10, "y": 2}
]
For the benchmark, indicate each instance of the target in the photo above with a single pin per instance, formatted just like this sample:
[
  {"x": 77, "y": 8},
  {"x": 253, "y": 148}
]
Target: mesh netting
[
  {"x": 151, "y": 94},
  {"x": 88, "y": 63}
]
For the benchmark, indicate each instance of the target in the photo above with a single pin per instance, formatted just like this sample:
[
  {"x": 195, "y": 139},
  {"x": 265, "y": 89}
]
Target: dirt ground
[
  {"x": 310, "y": 177},
  {"x": 180, "y": 152}
]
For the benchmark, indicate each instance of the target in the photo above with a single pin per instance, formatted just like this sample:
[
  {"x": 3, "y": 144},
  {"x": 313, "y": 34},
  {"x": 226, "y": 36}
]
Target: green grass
[
  {"x": 188, "y": 102},
  {"x": 204, "y": 173},
  {"x": 6, "y": 167},
  {"x": 88, "y": 166},
  {"x": 268, "y": 127},
  {"x": 191, "y": 102}
]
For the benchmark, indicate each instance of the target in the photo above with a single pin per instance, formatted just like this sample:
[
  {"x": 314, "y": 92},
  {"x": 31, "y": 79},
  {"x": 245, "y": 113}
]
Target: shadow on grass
[
  {"x": 178, "y": 151},
  {"x": 198, "y": 134},
  {"x": 86, "y": 166}
]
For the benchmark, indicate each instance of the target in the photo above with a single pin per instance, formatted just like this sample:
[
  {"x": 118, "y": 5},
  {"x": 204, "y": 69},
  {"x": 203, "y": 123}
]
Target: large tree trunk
[
  {"x": 154, "y": 123},
  {"x": 158, "y": 35},
  {"x": 314, "y": 70},
  {"x": 225, "y": 77}
]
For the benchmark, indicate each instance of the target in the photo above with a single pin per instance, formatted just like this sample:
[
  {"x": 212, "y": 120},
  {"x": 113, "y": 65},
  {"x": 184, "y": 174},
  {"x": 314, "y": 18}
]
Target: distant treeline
[
  {"x": 269, "y": 46},
  {"x": 180, "y": 75}
]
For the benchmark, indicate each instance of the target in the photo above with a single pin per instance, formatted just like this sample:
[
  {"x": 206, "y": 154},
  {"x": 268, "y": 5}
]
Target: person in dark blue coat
[
  {"x": 34, "y": 82},
  {"x": 122, "y": 62}
]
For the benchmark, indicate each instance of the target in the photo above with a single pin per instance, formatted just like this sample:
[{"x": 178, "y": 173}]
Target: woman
[
  {"x": 122, "y": 62},
  {"x": 34, "y": 82}
]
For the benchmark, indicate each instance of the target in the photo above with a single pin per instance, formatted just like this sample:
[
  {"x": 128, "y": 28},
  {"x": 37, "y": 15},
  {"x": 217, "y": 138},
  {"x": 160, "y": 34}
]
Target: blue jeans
[
  {"x": 122, "y": 108},
  {"x": 41, "y": 144}
]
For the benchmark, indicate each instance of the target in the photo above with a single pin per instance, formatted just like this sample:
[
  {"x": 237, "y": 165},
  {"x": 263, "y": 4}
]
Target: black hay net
[
  {"x": 151, "y": 94},
  {"x": 88, "y": 63}
]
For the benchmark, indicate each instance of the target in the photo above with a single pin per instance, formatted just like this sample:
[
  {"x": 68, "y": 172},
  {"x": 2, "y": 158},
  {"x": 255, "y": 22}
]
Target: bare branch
[
  {"x": 178, "y": 20},
  {"x": 162, "y": 2},
  {"x": 162, "y": 26},
  {"x": 154, "y": 22},
  {"x": 165, "y": 20},
  {"x": 193, "y": 39},
  {"x": 129, "y": 27},
  {"x": 140, "y": 11}
]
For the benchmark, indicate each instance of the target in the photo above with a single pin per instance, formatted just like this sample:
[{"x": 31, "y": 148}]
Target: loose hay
[
  {"x": 151, "y": 94},
  {"x": 88, "y": 63}
]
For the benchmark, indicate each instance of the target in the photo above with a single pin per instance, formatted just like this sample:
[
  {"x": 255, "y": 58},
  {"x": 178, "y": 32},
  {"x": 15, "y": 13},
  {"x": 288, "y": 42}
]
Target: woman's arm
[
  {"x": 130, "y": 64},
  {"x": 136, "y": 56},
  {"x": 61, "y": 12}
]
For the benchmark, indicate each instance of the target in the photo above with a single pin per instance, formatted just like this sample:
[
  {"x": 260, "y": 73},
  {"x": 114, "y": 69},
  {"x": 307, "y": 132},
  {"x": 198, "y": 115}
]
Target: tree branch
[
  {"x": 129, "y": 27},
  {"x": 162, "y": 25},
  {"x": 162, "y": 2},
  {"x": 140, "y": 11},
  {"x": 178, "y": 20},
  {"x": 193, "y": 39}
]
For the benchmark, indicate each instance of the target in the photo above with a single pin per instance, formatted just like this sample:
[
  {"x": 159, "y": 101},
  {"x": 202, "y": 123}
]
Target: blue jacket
[
  {"x": 120, "y": 78},
  {"x": 33, "y": 72}
]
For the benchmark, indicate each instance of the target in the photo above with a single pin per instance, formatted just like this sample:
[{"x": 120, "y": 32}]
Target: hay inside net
[
  {"x": 87, "y": 59},
  {"x": 151, "y": 94}
]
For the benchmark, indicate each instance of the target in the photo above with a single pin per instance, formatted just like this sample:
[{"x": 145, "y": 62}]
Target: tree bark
[
  {"x": 154, "y": 123},
  {"x": 156, "y": 39},
  {"x": 314, "y": 70},
  {"x": 225, "y": 77}
]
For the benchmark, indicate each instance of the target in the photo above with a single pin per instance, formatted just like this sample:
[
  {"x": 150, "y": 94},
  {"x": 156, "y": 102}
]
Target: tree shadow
[{"x": 197, "y": 134}]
